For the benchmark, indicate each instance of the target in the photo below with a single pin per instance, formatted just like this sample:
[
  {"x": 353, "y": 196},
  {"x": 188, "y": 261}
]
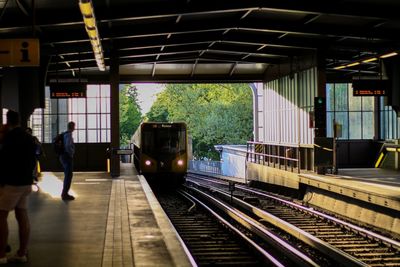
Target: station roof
[{"x": 204, "y": 40}]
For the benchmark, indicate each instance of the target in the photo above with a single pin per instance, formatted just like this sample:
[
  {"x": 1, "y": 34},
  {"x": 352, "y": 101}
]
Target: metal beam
[
  {"x": 194, "y": 67},
  {"x": 146, "y": 11},
  {"x": 153, "y": 71},
  {"x": 221, "y": 25},
  {"x": 232, "y": 70}
]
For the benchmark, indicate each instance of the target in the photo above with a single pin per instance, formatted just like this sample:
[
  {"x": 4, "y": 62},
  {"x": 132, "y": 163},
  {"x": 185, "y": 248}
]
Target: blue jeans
[{"x": 67, "y": 163}]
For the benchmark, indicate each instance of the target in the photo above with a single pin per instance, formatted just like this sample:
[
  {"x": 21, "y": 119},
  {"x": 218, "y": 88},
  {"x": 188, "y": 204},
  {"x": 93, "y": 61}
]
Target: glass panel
[
  {"x": 354, "y": 101},
  {"x": 74, "y": 118},
  {"x": 329, "y": 124},
  {"x": 341, "y": 95},
  {"x": 81, "y": 136},
  {"x": 62, "y": 123},
  {"x": 355, "y": 125},
  {"x": 92, "y": 136},
  {"x": 330, "y": 99},
  {"x": 105, "y": 90},
  {"x": 92, "y": 90},
  {"x": 104, "y": 136},
  {"x": 104, "y": 105},
  {"x": 91, "y": 121},
  {"x": 54, "y": 126},
  {"x": 81, "y": 121},
  {"x": 73, "y": 104},
  {"x": 47, "y": 92},
  {"x": 104, "y": 121},
  {"x": 368, "y": 103},
  {"x": 108, "y": 135},
  {"x": 59, "y": 112},
  {"x": 108, "y": 121},
  {"x": 368, "y": 125},
  {"x": 81, "y": 103},
  {"x": 92, "y": 105},
  {"x": 341, "y": 118}
]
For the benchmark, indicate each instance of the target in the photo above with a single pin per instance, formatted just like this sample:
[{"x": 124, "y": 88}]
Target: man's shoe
[
  {"x": 17, "y": 258},
  {"x": 67, "y": 197},
  {"x": 3, "y": 260}
]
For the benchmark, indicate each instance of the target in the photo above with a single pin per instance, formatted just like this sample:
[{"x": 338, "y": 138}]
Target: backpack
[{"x": 58, "y": 144}]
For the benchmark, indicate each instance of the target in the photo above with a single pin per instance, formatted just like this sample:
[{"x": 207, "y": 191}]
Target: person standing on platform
[
  {"x": 17, "y": 159},
  {"x": 67, "y": 160},
  {"x": 38, "y": 152}
]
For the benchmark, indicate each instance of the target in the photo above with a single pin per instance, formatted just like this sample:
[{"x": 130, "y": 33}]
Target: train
[{"x": 161, "y": 150}]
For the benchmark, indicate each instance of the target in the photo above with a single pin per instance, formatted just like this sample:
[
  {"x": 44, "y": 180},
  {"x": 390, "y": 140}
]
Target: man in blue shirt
[{"x": 67, "y": 159}]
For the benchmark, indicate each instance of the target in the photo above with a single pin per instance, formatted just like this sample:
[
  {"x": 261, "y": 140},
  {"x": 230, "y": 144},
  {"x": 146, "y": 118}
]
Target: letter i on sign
[{"x": 25, "y": 52}]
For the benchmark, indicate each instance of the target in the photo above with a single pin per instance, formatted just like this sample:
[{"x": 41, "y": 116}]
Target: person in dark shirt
[
  {"x": 18, "y": 161},
  {"x": 67, "y": 160}
]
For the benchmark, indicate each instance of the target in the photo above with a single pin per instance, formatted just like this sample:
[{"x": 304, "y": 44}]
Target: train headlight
[
  {"x": 147, "y": 162},
  {"x": 180, "y": 162}
]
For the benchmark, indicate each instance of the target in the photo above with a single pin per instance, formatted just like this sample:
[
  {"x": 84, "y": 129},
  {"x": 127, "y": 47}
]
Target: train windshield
[{"x": 164, "y": 141}]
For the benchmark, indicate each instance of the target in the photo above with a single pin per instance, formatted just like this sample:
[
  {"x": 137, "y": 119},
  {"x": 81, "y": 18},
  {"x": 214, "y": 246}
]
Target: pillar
[
  {"x": 21, "y": 91},
  {"x": 114, "y": 84}
]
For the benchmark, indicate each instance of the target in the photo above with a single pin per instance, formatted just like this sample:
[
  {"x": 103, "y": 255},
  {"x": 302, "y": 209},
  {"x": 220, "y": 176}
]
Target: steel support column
[
  {"x": 254, "y": 89},
  {"x": 114, "y": 84},
  {"x": 321, "y": 86}
]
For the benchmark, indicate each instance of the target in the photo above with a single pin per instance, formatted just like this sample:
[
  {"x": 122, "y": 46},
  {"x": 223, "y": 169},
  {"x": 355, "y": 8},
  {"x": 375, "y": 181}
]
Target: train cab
[{"x": 161, "y": 150}]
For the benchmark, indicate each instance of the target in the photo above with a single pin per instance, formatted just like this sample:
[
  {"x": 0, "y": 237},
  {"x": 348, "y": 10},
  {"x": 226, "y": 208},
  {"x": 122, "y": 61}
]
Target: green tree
[
  {"x": 215, "y": 113},
  {"x": 130, "y": 114}
]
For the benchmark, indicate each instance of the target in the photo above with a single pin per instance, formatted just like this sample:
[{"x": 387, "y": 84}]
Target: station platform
[
  {"x": 367, "y": 196},
  {"x": 377, "y": 186},
  {"x": 112, "y": 222}
]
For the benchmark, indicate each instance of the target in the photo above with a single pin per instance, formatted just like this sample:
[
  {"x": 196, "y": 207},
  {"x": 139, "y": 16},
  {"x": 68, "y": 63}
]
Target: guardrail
[
  {"x": 280, "y": 156},
  {"x": 205, "y": 166}
]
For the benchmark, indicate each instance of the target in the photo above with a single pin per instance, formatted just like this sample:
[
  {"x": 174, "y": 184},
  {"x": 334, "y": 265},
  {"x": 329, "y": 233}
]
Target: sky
[{"x": 147, "y": 94}]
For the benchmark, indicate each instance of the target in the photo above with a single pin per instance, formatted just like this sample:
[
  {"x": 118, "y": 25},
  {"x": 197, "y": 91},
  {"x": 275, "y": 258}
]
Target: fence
[
  {"x": 279, "y": 156},
  {"x": 205, "y": 166}
]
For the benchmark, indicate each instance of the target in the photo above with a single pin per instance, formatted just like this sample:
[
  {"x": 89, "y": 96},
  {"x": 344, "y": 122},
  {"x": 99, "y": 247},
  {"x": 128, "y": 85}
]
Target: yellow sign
[{"x": 19, "y": 52}]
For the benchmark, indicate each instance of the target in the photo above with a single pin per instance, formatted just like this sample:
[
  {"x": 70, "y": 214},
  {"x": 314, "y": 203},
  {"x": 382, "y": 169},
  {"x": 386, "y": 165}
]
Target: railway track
[
  {"x": 216, "y": 241},
  {"x": 339, "y": 240}
]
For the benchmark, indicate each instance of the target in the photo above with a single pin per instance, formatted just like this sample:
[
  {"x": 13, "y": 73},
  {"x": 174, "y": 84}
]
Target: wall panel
[{"x": 287, "y": 104}]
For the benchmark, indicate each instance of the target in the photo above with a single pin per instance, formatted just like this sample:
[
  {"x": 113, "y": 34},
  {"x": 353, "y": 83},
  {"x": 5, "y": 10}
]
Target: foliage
[
  {"x": 130, "y": 114},
  {"x": 215, "y": 114}
]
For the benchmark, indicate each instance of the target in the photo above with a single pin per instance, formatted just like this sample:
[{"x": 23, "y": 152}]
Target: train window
[
  {"x": 148, "y": 142},
  {"x": 164, "y": 141}
]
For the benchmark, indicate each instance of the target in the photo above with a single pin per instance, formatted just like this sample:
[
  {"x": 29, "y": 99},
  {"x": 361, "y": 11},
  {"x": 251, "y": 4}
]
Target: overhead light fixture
[
  {"x": 370, "y": 60},
  {"x": 389, "y": 55},
  {"x": 89, "y": 19},
  {"x": 339, "y": 67},
  {"x": 353, "y": 64}
]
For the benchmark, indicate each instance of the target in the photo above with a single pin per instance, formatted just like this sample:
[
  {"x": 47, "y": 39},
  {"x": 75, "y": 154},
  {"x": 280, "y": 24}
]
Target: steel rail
[
  {"x": 333, "y": 252},
  {"x": 294, "y": 254},
  {"x": 351, "y": 226},
  {"x": 386, "y": 240},
  {"x": 267, "y": 256}
]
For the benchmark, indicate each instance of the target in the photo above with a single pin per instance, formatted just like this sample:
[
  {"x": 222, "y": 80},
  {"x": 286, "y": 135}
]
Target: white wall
[{"x": 233, "y": 161}]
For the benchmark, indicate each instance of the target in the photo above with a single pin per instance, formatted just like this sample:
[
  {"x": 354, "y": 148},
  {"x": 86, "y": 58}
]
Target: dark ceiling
[{"x": 207, "y": 40}]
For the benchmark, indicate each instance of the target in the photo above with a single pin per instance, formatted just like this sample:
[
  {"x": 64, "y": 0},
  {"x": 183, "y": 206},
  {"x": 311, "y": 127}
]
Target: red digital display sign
[
  {"x": 370, "y": 87},
  {"x": 68, "y": 90},
  {"x": 369, "y": 92}
]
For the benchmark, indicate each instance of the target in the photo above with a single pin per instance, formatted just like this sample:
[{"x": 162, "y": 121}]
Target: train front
[{"x": 164, "y": 150}]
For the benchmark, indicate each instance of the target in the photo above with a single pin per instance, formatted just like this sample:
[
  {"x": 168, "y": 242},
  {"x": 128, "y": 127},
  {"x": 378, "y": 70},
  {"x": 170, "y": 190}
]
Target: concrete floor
[
  {"x": 112, "y": 222},
  {"x": 67, "y": 233}
]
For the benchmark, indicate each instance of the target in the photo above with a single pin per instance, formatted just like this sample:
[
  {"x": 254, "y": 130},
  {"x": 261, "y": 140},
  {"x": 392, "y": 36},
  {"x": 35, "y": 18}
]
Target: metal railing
[
  {"x": 280, "y": 156},
  {"x": 205, "y": 166}
]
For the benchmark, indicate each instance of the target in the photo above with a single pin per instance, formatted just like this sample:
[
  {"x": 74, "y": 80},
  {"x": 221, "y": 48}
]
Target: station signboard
[
  {"x": 19, "y": 52},
  {"x": 68, "y": 90},
  {"x": 370, "y": 87}
]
